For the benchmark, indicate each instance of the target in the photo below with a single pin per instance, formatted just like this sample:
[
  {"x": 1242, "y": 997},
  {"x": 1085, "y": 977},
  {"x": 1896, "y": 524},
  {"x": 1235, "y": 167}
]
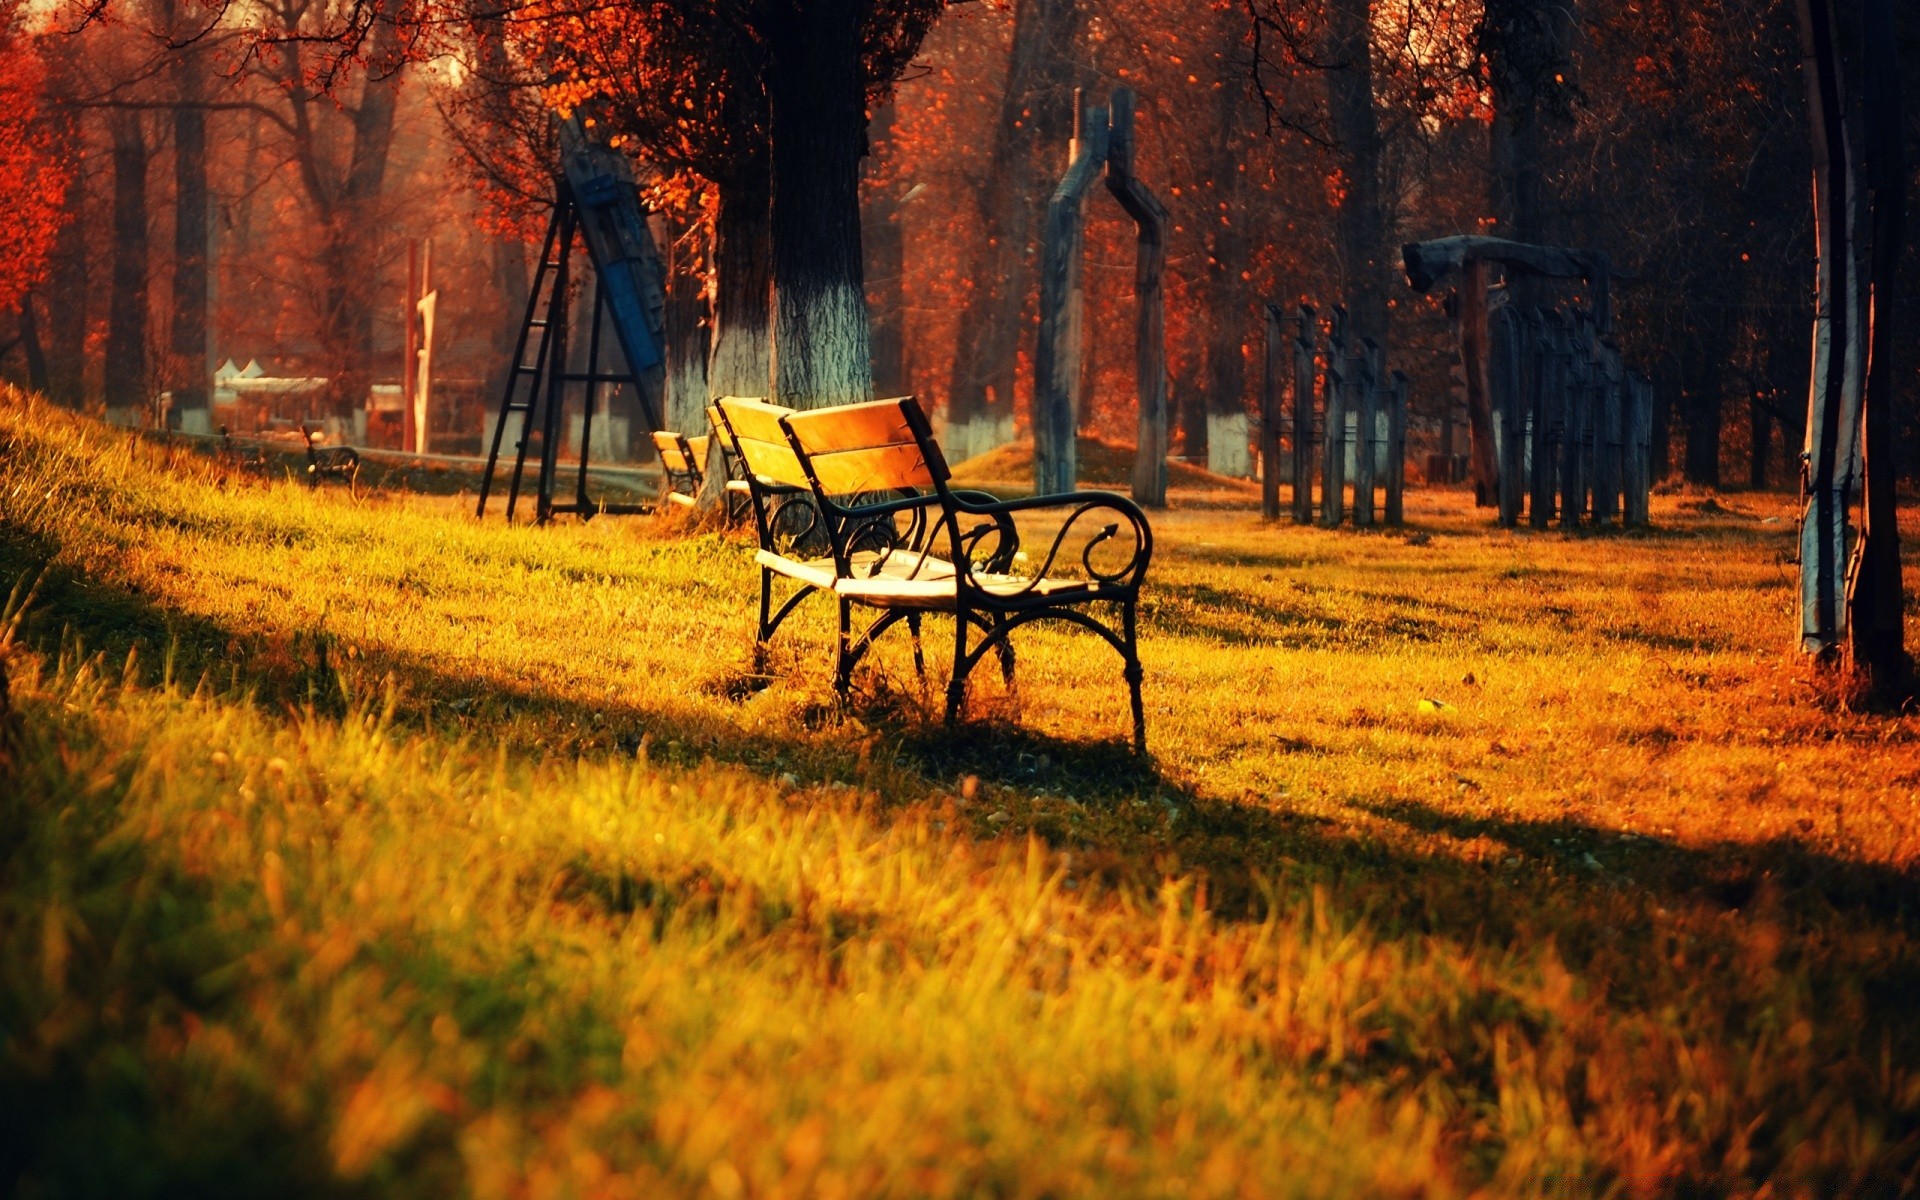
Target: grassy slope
[{"x": 459, "y": 856}]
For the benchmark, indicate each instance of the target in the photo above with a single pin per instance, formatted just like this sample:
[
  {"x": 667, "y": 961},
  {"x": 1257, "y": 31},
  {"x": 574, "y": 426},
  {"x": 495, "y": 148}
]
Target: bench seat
[
  {"x": 904, "y": 568},
  {"x": 940, "y": 593}
]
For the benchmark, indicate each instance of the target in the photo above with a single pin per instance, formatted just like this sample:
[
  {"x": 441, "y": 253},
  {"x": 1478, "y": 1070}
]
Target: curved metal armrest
[{"x": 1080, "y": 504}]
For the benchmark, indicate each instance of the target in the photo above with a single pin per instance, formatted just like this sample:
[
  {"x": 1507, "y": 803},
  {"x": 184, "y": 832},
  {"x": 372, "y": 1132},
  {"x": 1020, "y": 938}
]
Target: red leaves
[{"x": 33, "y": 171}]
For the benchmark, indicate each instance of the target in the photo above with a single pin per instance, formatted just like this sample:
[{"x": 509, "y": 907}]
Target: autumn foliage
[{"x": 33, "y": 173}]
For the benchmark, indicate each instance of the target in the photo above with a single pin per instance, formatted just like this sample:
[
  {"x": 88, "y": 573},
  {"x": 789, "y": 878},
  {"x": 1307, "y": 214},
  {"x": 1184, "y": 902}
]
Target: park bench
[
  {"x": 795, "y": 547},
  {"x": 682, "y": 460},
  {"x": 329, "y": 462},
  {"x": 870, "y": 465}
]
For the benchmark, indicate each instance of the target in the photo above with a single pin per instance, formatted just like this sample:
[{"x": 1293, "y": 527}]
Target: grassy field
[{"x": 349, "y": 846}]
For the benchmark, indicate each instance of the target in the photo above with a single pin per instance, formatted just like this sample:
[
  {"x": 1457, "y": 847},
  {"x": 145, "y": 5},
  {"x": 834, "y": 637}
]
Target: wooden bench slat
[
  {"x": 755, "y": 419},
  {"x": 772, "y": 461},
  {"x": 875, "y": 469},
  {"x": 852, "y": 426}
]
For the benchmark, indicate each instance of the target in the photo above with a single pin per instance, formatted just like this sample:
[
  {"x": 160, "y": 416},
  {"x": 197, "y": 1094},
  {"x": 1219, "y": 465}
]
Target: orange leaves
[{"x": 33, "y": 171}]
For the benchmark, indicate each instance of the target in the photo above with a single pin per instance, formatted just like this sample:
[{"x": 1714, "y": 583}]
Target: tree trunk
[
  {"x": 687, "y": 328},
  {"x": 741, "y": 362},
  {"x": 66, "y": 311},
  {"x": 30, "y": 347},
  {"x": 510, "y": 282},
  {"x": 886, "y": 266},
  {"x": 1036, "y": 111},
  {"x": 1875, "y": 597},
  {"x": 1833, "y": 403},
  {"x": 190, "y": 376},
  {"x": 1362, "y": 219},
  {"x": 1229, "y": 311},
  {"x": 1703, "y": 366},
  {"x": 127, "y": 382},
  {"x": 817, "y": 99}
]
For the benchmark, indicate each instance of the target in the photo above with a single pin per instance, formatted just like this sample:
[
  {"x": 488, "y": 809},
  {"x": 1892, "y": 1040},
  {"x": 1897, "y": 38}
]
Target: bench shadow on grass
[{"x": 1120, "y": 815}]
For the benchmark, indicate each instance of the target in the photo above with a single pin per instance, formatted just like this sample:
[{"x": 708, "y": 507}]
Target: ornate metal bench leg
[
  {"x": 1134, "y": 676},
  {"x": 843, "y": 652},
  {"x": 1005, "y": 650},
  {"x": 919, "y": 654},
  {"x": 957, "y": 686},
  {"x": 766, "y": 615}
]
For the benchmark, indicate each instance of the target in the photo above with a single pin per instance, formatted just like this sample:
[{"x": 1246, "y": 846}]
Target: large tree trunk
[
  {"x": 817, "y": 101},
  {"x": 1362, "y": 219},
  {"x": 688, "y": 331},
  {"x": 511, "y": 280},
  {"x": 1229, "y": 310},
  {"x": 127, "y": 381},
  {"x": 1834, "y": 395},
  {"x": 65, "y": 313},
  {"x": 190, "y": 376},
  {"x": 1875, "y": 598},
  {"x": 1036, "y": 114},
  {"x": 741, "y": 361},
  {"x": 886, "y": 263},
  {"x": 1703, "y": 379}
]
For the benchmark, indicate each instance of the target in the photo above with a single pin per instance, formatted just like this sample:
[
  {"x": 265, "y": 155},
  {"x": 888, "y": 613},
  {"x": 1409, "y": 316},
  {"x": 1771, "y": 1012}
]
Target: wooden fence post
[
  {"x": 1270, "y": 418},
  {"x": 1150, "y": 324},
  {"x": 1638, "y": 424},
  {"x": 1397, "y": 449},
  {"x": 1057, "y": 355},
  {"x": 1333, "y": 406},
  {"x": 1503, "y": 378},
  {"x": 1303, "y": 419},
  {"x": 1366, "y": 439},
  {"x": 1607, "y": 440}
]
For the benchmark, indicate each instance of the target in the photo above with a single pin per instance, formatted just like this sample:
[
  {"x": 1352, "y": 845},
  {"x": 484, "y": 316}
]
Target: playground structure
[{"x": 597, "y": 205}]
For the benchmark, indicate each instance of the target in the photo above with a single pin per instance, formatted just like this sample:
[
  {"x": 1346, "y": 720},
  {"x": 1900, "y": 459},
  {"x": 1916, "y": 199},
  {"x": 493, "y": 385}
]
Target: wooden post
[
  {"x": 1057, "y": 355},
  {"x": 1540, "y": 468},
  {"x": 1397, "y": 449},
  {"x": 1572, "y": 393},
  {"x": 1504, "y": 399},
  {"x": 1607, "y": 440},
  {"x": 1303, "y": 418},
  {"x": 1366, "y": 439},
  {"x": 1638, "y": 467},
  {"x": 409, "y": 345},
  {"x": 1333, "y": 487},
  {"x": 1270, "y": 419},
  {"x": 1150, "y": 326},
  {"x": 1474, "y": 362}
]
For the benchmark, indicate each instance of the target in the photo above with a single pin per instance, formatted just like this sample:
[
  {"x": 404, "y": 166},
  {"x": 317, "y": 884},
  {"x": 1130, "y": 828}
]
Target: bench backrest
[
  {"x": 878, "y": 446},
  {"x": 677, "y": 453},
  {"x": 762, "y": 444}
]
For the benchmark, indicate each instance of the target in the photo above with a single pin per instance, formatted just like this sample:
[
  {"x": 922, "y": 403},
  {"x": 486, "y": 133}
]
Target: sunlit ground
[{"x": 358, "y": 846}]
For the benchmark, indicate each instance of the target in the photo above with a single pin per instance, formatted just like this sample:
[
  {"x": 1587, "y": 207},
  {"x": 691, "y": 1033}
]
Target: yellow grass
[{"x": 353, "y": 845}]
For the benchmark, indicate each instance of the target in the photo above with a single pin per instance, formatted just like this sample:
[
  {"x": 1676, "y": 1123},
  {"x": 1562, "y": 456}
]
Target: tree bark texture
[
  {"x": 127, "y": 380},
  {"x": 1362, "y": 232},
  {"x": 687, "y": 328},
  {"x": 190, "y": 374},
  {"x": 1875, "y": 596},
  {"x": 1833, "y": 404},
  {"x": 885, "y": 246},
  {"x": 821, "y": 343},
  {"x": 1036, "y": 109}
]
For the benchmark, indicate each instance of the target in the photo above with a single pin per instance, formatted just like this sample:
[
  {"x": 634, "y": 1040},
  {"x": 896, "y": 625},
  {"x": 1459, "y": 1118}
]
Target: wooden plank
[
  {"x": 874, "y": 469},
  {"x": 773, "y": 462},
  {"x": 1303, "y": 418},
  {"x": 1270, "y": 417},
  {"x": 1397, "y": 449},
  {"x": 754, "y": 418},
  {"x": 1057, "y": 353},
  {"x": 1427, "y": 263},
  {"x": 667, "y": 445},
  {"x": 853, "y": 426}
]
